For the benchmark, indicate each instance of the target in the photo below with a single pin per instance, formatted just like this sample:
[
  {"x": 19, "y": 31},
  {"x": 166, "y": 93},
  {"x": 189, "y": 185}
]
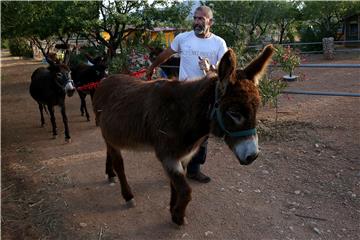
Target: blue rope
[{"x": 216, "y": 114}]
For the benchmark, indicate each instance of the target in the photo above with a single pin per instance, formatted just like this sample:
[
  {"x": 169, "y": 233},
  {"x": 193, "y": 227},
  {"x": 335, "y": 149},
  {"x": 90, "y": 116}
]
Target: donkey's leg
[
  {"x": 83, "y": 107},
  {"x": 173, "y": 197},
  {"x": 180, "y": 190},
  {"x": 109, "y": 171},
  {"x": 81, "y": 103},
  {"x": 118, "y": 165},
  {"x": 52, "y": 119},
  {"x": 41, "y": 108},
  {"x": 65, "y": 121}
]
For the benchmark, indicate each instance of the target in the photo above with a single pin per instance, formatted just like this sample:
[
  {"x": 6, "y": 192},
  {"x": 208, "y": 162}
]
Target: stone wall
[{"x": 328, "y": 48}]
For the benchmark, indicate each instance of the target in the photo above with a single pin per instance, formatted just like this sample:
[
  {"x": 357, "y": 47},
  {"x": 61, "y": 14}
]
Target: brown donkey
[{"x": 174, "y": 117}]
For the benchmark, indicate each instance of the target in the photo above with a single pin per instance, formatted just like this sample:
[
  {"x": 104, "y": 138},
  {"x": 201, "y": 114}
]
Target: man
[{"x": 200, "y": 51}]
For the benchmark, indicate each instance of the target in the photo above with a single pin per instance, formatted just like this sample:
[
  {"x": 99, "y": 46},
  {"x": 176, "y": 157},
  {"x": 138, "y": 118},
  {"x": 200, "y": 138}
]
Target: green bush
[
  {"x": 120, "y": 63},
  {"x": 308, "y": 34},
  {"x": 4, "y": 43},
  {"x": 20, "y": 47},
  {"x": 76, "y": 59},
  {"x": 270, "y": 89}
]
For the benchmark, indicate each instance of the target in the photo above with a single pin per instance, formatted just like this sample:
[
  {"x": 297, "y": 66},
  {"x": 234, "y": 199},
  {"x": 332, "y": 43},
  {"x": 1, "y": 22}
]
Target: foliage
[
  {"x": 4, "y": 43},
  {"x": 285, "y": 15},
  {"x": 287, "y": 58},
  {"x": 76, "y": 59},
  {"x": 324, "y": 19},
  {"x": 122, "y": 18},
  {"x": 168, "y": 15},
  {"x": 251, "y": 21},
  {"x": 244, "y": 54},
  {"x": 20, "y": 47},
  {"x": 45, "y": 20},
  {"x": 158, "y": 42},
  {"x": 119, "y": 63},
  {"x": 270, "y": 89},
  {"x": 309, "y": 34}
]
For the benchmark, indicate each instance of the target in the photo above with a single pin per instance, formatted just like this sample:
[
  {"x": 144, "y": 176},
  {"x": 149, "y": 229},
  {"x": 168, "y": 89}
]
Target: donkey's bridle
[
  {"x": 62, "y": 77},
  {"x": 216, "y": 115}
]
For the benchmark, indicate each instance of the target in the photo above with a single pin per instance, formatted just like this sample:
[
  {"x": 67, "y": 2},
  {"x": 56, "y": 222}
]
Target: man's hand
[
  {"x": 204, "y": 64},
  {"x": 149, "y": 73}
]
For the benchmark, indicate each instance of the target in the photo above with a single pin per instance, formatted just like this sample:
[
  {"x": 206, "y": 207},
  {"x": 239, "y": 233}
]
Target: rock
[
  {"x": 257, "y": 190},
  {"x": 207, "y": 233},
  {"x": 265, "y": 171},
  {"x": 328, "y": 48},
  {"x": 297, "y": 192},
  {"x": 83, "y": 225},
  {"x": 316, "y": 230},
  {"x": 185, "y": 235}
]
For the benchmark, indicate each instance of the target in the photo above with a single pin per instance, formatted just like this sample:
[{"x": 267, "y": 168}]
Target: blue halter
[{"x": 216, "y": 114}]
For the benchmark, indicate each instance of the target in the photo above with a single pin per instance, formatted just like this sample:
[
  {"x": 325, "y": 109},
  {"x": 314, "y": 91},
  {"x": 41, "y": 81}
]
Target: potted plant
[{"x": 288, "y": 60}]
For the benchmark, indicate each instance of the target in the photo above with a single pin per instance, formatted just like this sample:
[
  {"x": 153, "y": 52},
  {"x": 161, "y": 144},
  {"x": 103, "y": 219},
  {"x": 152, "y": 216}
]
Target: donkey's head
[
  {"x": 99, "y": 64},
  {"x": 236, "y": 102},
  {"x": 62, "y": 77},
  {"x": 154, "y": 52}
]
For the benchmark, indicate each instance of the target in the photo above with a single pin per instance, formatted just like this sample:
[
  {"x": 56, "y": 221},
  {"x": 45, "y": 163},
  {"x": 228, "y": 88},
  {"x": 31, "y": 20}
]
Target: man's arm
[{"x": 163, "y": 56}]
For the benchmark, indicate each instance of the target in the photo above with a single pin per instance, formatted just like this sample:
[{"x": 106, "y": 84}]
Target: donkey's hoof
[
  {"x": 67, "y": 140},
  {"x": 179, "y": 221},
  {"x": 131, "y": 203},
  {"x": 112, "y": 181}
]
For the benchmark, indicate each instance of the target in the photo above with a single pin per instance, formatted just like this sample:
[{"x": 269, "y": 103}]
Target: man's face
[{"x": 202, "y": 23}]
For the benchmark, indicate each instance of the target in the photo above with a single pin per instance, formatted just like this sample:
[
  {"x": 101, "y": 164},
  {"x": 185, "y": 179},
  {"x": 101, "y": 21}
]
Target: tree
[
  {"x": 121, "y": 18},
  {"x": 48, "y": 21},
  {"x": 326, "y": 18},
  {"x": 245, "y": 20},
  {"x": 285, "y": 15}
]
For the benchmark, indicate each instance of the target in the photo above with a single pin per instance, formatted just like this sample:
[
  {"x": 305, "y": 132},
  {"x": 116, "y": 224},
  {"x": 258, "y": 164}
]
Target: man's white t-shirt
[{"x": 190, "y": 47}]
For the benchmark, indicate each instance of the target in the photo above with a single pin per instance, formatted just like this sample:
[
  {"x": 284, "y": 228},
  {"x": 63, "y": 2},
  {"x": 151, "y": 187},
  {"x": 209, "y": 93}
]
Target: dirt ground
[{"x": 305, "y": 184}]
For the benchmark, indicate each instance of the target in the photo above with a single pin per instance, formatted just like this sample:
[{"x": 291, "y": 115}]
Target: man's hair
[{"x": 206, "y": 10}]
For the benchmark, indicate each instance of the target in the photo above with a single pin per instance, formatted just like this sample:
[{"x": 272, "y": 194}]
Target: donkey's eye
[{"x": 236, "y": 117}]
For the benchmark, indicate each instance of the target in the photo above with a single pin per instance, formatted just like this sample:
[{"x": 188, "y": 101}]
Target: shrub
[
  {"x": 308, "y": 34},
  {"x": 76, "y": 59},
  {"x": 286, "y": 58},
  {"x": 120, "y": 63},
  {"x": 270, "y": 89},
  {"x": 20, "y": 47},
  {"x": 5, "y": 43}
]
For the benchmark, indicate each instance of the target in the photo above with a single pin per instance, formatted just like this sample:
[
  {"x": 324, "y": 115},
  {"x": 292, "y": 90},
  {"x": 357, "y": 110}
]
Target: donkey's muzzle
[
  {"x": 249, "y": 159},
  {"x": 247, "y": 150},
  {"x": 70, "y": 93},
  {"x": 70, "y": 88}
]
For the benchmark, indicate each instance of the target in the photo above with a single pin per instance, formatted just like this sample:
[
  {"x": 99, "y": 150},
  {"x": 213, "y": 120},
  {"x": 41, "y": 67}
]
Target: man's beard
[{"x": 199, "y": 29}]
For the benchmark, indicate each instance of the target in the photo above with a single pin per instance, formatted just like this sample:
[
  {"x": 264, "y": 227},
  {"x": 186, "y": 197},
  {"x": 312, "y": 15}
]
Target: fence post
[{"x": 328, "y": 48}]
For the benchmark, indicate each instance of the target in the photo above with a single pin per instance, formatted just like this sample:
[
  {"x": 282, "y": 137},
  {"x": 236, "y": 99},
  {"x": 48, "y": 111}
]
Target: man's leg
[{"x": 193, "y": 168}]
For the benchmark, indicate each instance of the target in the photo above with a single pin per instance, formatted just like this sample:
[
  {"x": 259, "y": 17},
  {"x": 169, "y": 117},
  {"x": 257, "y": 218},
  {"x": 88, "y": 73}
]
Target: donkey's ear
[
  {"x": 150, "y": 48},
  {"x": 227, "y": 67},
  {"x": 255, "y": 70},
  {"x": 49, "y": 61},
  {"x": 90, "y": 59}
]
